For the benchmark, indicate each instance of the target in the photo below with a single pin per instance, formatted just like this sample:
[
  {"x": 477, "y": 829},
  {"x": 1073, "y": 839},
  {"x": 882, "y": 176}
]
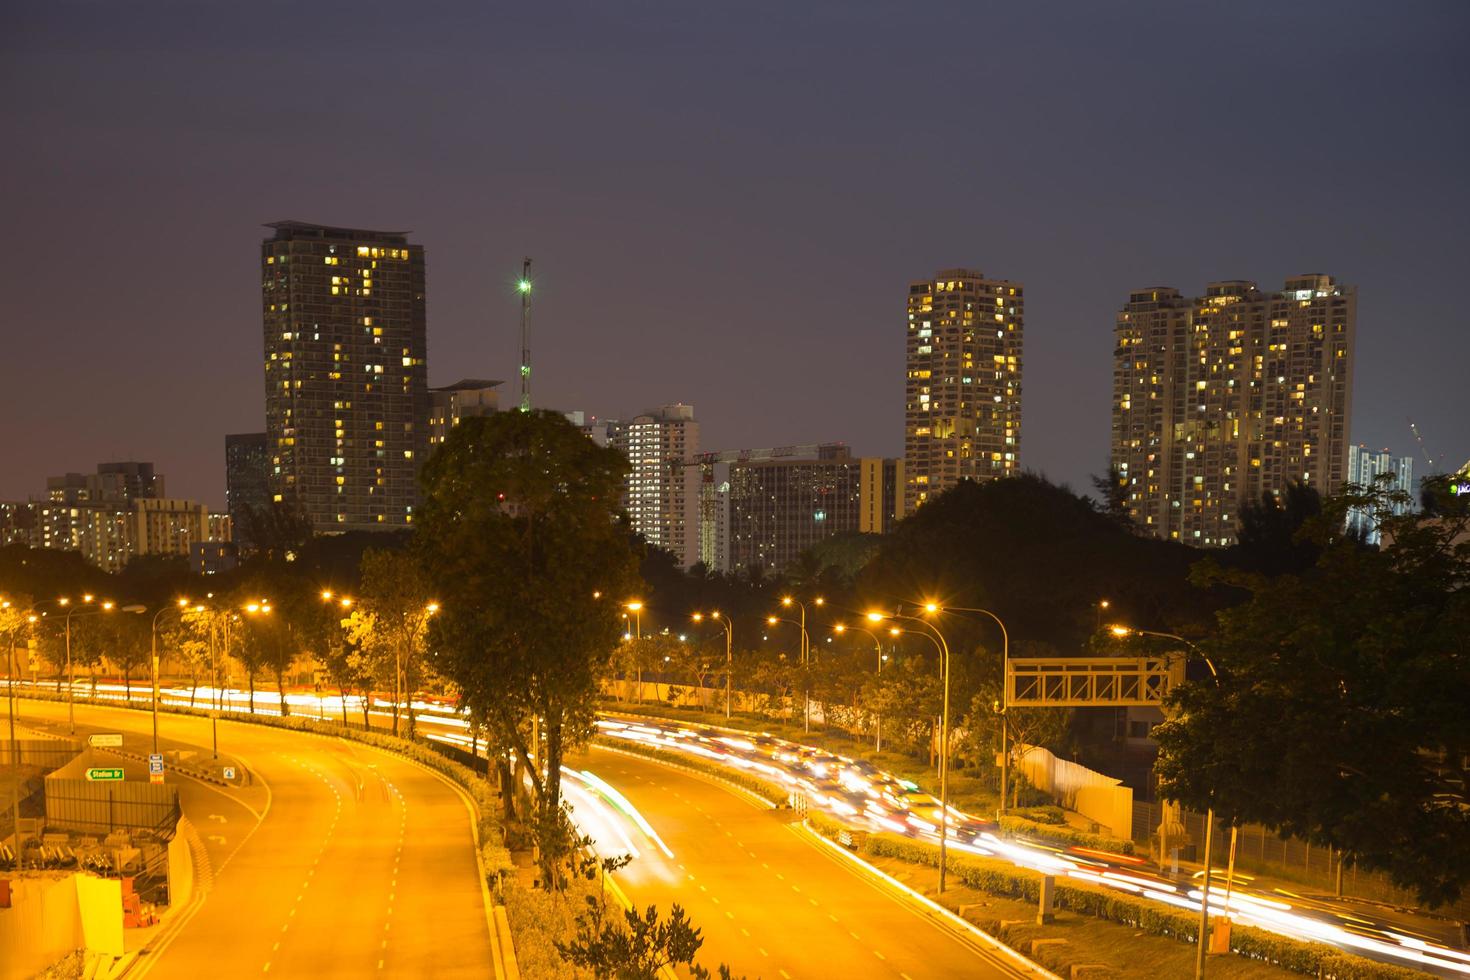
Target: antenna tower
[{"x": 524, "y": 286}]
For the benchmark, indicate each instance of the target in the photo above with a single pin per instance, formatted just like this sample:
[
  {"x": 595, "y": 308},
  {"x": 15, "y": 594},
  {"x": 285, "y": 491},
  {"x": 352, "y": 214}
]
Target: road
[
  {"x": 342, "y": 861},
  {"x": 770, "y": 901}
]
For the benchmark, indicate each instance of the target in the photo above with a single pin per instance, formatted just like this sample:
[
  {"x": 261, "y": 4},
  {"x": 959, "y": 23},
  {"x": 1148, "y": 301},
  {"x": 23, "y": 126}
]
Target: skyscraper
[
  {"x": 662, "y": 488},
  {"x": 1221, "y": 398},
  {"x": 1365, "y": 467},
  {"x": 347, "y": 400},
  {"x": 247, "y": 482},
  {"x": 962, "y": 412}
]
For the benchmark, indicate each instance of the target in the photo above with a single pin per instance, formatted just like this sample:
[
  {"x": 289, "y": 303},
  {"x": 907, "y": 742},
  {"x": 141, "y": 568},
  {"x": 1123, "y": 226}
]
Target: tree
[
  {"x": 1271, "y": 538},
  {"x": 388, "y": 624},
  {"x": 188, "y": 636},
  {"x": 127, "y": 638},
  {"x": 521, "y": 535},
  {"x": 1112, "y": 496},
  {"x": 637, "y": 947},
  {"x": 1340, "y": 716}
]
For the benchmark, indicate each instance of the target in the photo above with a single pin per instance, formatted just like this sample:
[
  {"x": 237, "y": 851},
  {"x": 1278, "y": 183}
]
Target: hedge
[
  {"x": 1065, "y": 835},
  {"x": 1000, "y": 878}
]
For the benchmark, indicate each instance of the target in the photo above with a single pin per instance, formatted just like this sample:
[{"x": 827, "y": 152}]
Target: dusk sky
[{"x": 724, "y": 204}]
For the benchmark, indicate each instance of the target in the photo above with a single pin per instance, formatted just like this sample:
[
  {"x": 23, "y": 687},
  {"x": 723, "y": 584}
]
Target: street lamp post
[
  {"x": 939, "y": 641},
  {"x": 179, "y": 607},
  {"x": 806, "y": 647},
  {"x": 729, "y": 629},
  {"x": 71, "y": 681},
  {"x": 1005, "y": 668},
  {"x": 1204, "y": 900},
  {"x": 801, "y": 645},
  {"x": 878, "y": 648}
]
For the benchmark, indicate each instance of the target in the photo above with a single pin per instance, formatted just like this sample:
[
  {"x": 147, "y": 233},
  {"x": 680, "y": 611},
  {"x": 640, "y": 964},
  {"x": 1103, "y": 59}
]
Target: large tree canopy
[
  {"x": 1341, "y": 713},
  {"x": 521, "y": 536}
]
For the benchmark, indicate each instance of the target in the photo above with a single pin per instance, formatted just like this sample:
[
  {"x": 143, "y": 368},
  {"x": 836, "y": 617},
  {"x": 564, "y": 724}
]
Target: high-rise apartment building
[
  {"x": 1220, "y": 398},
  {"x": 662, "y": 488},
  {"x": 347, "y": 397},
  {"x": 465, "y": 399},
  {"x": 110, "y": 516},
  {"x": 779, "y": 508},
  {"x": 1365, "y": 469},
  {"x": 247, "y": 482},
  {"x": 962, "y": 413}
]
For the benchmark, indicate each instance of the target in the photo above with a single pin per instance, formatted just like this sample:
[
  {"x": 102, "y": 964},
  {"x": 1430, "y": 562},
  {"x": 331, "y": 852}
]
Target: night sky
[{"x": 724, "y": 203}]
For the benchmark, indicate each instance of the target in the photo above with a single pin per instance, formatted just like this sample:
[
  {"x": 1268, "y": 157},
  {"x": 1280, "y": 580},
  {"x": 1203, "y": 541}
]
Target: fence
[
  {"x": 1261, "y": 851},
  {"x": 100, "y": 808},
  {"x": 1100, "y": 798}
]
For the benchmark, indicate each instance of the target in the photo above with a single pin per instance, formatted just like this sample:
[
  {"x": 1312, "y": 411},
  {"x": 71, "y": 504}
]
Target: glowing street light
[
  {"x": 729, "y": 629},
  {"x": 1121, "y": 631}
]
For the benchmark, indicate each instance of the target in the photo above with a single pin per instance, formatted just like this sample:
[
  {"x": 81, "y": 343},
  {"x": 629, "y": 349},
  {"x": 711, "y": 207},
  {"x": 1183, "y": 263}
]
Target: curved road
[
  {"x": 770, "y": 901},
  {"x": 341, "y": 861}
]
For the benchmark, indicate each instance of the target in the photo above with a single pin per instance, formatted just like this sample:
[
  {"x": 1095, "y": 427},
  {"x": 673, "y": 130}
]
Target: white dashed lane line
[{"x": 326, "y": 839}]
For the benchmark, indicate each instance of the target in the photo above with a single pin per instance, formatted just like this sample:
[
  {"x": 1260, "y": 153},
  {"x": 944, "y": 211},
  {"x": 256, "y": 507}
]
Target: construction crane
[
  {"x": 524, "y": 286},
  {"x": 1433, "y": 467}
]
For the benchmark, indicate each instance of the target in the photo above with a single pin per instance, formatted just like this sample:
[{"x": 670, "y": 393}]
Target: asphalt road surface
[
  {"x": 770, "y": 902},
  {"x": 340, "y": 861}
]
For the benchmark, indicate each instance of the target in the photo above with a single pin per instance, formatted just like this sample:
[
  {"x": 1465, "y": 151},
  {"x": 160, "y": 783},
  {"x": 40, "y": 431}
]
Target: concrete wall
[
  {"x": 42, "y": 925},
  {"x": 180, "y": 866},
  {"x": 1100, "y": 798}
]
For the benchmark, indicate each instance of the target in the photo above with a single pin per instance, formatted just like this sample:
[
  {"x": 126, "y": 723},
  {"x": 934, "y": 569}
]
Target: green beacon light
[{"x": 524, "y": 285}]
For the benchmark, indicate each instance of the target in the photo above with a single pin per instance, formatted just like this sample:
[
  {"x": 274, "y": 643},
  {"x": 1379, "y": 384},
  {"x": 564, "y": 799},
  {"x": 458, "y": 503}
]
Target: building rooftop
[
  {"x": 292, "y": 230},
  {"x": 470, "y": 384}
]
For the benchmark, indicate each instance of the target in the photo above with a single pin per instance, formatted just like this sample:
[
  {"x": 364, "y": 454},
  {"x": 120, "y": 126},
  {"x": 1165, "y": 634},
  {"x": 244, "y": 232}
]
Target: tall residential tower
[
  {"x": 347, "y": 399},
  {"x": 1220, "y": 398},
  {"x": 962, "y": 411},
  {"x": 662, "y": 488}
]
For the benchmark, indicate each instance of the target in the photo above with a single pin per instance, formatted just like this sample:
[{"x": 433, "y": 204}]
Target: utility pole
[{"x": 524, "y": 286}]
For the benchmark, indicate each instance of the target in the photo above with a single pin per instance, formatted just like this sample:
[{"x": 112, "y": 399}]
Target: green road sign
[{"x": 105, "y": 775}]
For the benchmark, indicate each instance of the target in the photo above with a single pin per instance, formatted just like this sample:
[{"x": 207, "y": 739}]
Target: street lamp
[
  {"x": 803, "y": 644},
  {"x": 806, "y": 647},
  {"x": 180, "y": 606},
  {"x": 1122, "y": 632},
  {"x": 839, "y": 629},
  {"x": 1005, "y": 666},
  {"x": 729, "y": 629},
  {"x": 225, "y": 615},
  {"x": 944, "y": 658},
  {"x": 635, "y": 607}
]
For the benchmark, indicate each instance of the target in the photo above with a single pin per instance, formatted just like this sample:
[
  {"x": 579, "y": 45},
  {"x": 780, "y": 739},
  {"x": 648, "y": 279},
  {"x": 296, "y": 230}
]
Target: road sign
[
  {"x": 105, "y": 740},
  {"x": 229, "y": 772},
  {"x": 105, "y": 775},
  {"x": 155, "y": 763}
]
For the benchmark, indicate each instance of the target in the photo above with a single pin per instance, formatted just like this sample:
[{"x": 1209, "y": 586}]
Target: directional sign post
[
  {"x": 105, "y": 740},
  {"x": 155, "y": 768},
  {"x": 105, "y": 775}
]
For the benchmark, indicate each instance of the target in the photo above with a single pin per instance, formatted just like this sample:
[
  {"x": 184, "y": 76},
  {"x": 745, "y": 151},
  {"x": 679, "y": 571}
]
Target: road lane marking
[
  {"x": 763, "y": 951},
  {"x": 879, "y": 955}
]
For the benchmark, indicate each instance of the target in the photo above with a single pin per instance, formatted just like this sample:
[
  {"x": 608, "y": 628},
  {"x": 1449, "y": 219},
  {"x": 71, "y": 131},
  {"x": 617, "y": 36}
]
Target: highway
[
  {"x": 770, "y": 901},
  {"x": 866, "y": 798},
  {"x": 341, "y": 861}
]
